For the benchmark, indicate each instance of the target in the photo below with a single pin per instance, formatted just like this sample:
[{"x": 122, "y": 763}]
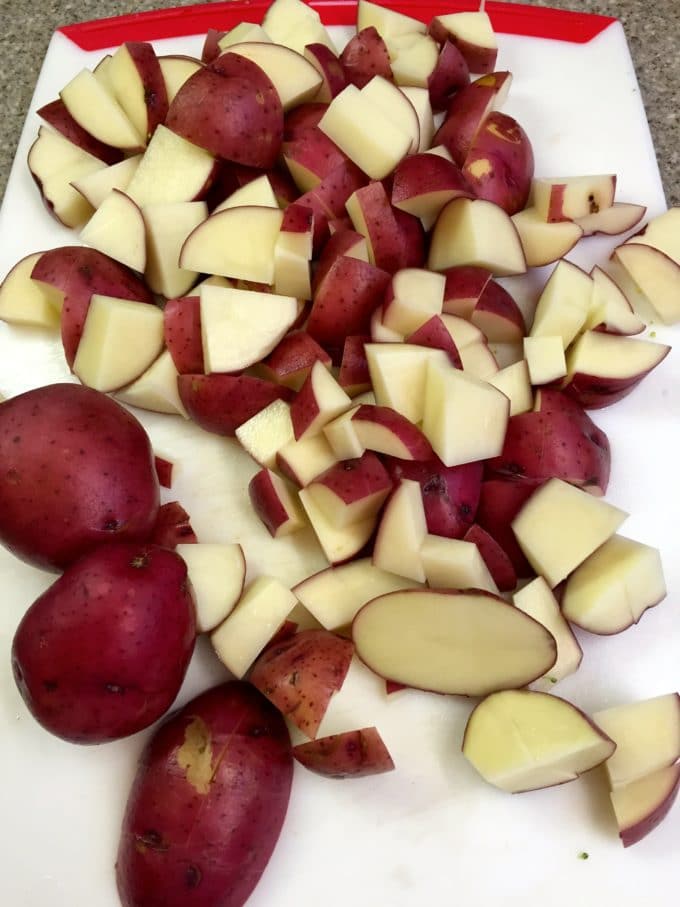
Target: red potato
[
  {"x": 251, "y": 133},
  {"x": 499, "y": 564},
  {"x": 450, "y": 74},
  {"x": 344, "y": 241},
  {"x": 163, "y": 471},
  {"x": 351, "y": 490},
  {"x": 208, "y": 803},
  {"x": 344, "y": 302},
  {"x": 450, "y": 493},
  {"x": 311, "y": 157},
  {"x": 499, "y": 165},
  {"x": 103, "y": 652},
  {"x": 220, "y": 403},
  {"x": 366, "y": 56},
  {"x": 464, "y": 287},
  {"x": 435, "y": 335},
  {"x": 211, "y": 45},
  {"x": 290, "y": 362},
  {"x": 386, "y": 431},
  {"x": 138, "y": 85},
  {"x": 353, "y": 754},
  {"x": 173, "y": 527},
  {"x": 497, "y": 315},
  {"x": 300, "y": 675},
  {"x": 298, "y": 120},
  {"x": 500, "y": 501},
  {"x": 423, "y": 183},
  {"x": 326, "y": 62},
  {"x": 56, "y": 114},
  {"x": 394, "y": 237},
  {"x": 76, "y": 470},
  {"x": 467, "y": 111},
  {"x": 354, "y": 376},
  {"x": 77, "y": 273},
  {"x": 327, "y": 200},
  {"x": 182, "y": 334}
]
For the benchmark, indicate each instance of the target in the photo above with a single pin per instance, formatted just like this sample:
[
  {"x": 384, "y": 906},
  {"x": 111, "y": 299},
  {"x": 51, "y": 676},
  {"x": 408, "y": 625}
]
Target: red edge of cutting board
[{"x": 508, "y": 18}]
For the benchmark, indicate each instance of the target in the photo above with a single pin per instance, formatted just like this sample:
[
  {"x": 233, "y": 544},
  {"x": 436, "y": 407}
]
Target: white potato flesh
[
  {"x": 464, "y": 643},
  {"x": 478, "y": 360},
  {"x": 368, "y": 136},
  {"x": 398, "y": 372},
  {"x": 545, "y": 359},
  {"x": 471, "y": 27},
  {"x": 522, "y": 740},
  {"x": 620, "y": 218},
  {"x": 120, "y": 340},
  {"x": 96, "y": 186},
  {"x": 396, "y": 106},
  {"x": 241, "y": 327},
  {"x": 615, "y": 586},
  {"x": 330, "y": 400},
  {"x": 544, "y": 243},
  {"x": 454, "y": 564},
  {"x": 401, "y": 533},
  {"x": 560, "y": 526},
  {"x": 129, "y": 89},
  {"x": 307, "y": 458},
  {"x": 243, "y": 32},
  {"x": 216, "y": 573},
  {"x": 339, "y": 543},
  {"x": 176, "y": 69},
  {"x": 117, "y": 229},
  {"x": 418, "y": 295},
  {"x": 565, "y": 198},
  {"x": 156, "y": 389},
  {"x": 52, "y": 153},
  {"x": 647, "y": 737},
  {"x": 335, "y": 595},
  {"x": 265, "y": 433},
  {"x": 386, "y": 21},
  {"x": 655, "y": 275},
  {"x": 464, "y": 418},
  {"x": 420, "y": 99},
  {"x": 413, "y": 59},
  {"x": 610, "y": 307},
  {"x": 95, "y": 108},
  {"x": 564, "y": 303},
  {"x": 167, "y": 227},
  {"x": 613, "y": 356},
  {"x": 476, "y": 232},
  {"x": 258, "y": 614},
  {"x": 514, "y": 382},
  {"x": 171, "y": 170},
  {"x": 662, "y": 233},
  {"x": 342, "y": 437},
  {"x": 291, "y": 270},
  {"x": 640, "y": 805},
  {"x": 293, "y": 77},
  {"x": 537, "y": 600},
  {"x": 257, "y": 192},
  {"x": 237, "y": 243},
  {"x": 26, "y": 301}
]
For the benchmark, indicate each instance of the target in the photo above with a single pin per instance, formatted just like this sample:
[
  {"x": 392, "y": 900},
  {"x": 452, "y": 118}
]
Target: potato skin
[
  {"x": 76, "y": 471},
  {"x": 200, "y": 827},
  {"x": 103, "y": 652}
]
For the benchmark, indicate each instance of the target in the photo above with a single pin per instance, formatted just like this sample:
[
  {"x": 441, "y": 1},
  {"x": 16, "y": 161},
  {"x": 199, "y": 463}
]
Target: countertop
[{"x": 653, "y": 32}]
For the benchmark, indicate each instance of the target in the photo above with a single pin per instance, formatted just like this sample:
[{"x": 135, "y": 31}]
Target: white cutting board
[{"x": 432, "y": 831}]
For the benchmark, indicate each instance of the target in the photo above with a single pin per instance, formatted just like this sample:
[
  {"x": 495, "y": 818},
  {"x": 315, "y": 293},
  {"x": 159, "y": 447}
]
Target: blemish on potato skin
[{"x": 195, "y": 756}]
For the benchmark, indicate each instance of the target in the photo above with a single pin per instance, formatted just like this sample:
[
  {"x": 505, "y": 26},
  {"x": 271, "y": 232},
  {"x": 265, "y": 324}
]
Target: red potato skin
[
  {"x": 463, "y": 289},
  {"x": 465, "y": 114},
  {"x": 211, "y": 46},
  {"x": 163, "y": 471},
  {"x": 500, "y": 163},
  {"x": 298, "y": 120},
  {"x": 231, "y": 110},
  {"x": 366, "y": 56},
  {"x": 402, "y": 428},
  {"x": 56, "y": 114},
  {"x": 182, "y": 334},
  {"x": 300, "y": 675},
  {"x": 220, "y": 403},
  {"x": 331, "y": 69},
  {"x": 353, "y": 754},
  {"x": 327, "y": 200},
  {"x": 499, "y": 564},
  {"x": 450, "y": 493},
  {"x": 595, "y": 392},
  {"x": 500, "y": 501},
  {"x": 392, "y": 247},
  {"x": 641, "y": 829},
  {"x": 314, "y": 151},
  {"x": 561, "y": 441},
  {"x": 338, "y": 244},
  {"x": 450, "y": 74},
  {"x": 290, "y": 362},
  {"x": 354, "y": 376},
  {"x": 173, "y": 527},
  {"x": 155, "y": 93},
  {"x": 76, "y": 471},
  {"x": 266, "y": 503},
  {"x": 207, "y": 804},
  {"x": 433, "y": 334},
  {"x": 103, "y": 652},
  {"x": 353, "y": 479},
  {"x": 344, "y": 302},
  {"x": 420, "y": 174},
  {"x": 78, "y": 273},
  {"x": 496, "y": 303}
]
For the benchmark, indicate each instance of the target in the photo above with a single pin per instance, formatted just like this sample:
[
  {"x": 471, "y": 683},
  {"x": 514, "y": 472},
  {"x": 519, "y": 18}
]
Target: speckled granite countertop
[{"x": 653, "y": 32}]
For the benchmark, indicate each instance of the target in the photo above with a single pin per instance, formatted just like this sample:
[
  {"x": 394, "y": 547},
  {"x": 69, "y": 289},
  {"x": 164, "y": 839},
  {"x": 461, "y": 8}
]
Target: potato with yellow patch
[{"x": 208, "y": 803}]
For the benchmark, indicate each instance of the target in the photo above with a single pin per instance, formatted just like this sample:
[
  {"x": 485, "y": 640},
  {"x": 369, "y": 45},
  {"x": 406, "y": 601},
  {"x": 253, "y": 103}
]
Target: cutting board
[{"x": 432, "y": 831}]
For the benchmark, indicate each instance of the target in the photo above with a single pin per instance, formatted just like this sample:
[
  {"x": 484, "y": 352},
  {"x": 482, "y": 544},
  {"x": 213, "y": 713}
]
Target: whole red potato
[{"x": 76, "y": 471}]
